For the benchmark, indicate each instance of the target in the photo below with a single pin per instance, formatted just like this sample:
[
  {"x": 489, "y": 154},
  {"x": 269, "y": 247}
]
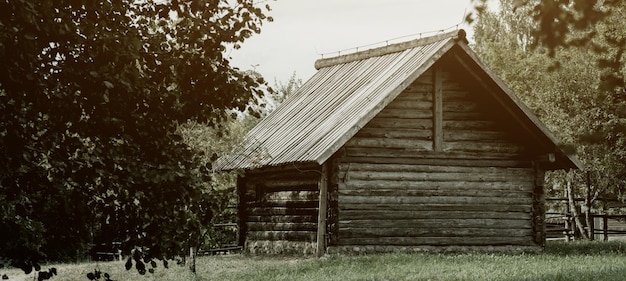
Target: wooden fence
[{"x": 562, "y": 225}]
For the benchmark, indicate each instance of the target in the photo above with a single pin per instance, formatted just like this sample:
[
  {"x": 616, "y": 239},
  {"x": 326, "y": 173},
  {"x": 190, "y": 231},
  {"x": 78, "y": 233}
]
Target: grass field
[{"x": 561, "y": 261}]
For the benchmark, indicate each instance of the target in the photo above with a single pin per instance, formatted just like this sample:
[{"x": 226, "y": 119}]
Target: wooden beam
[
  {"x": 437, "y": 108},
  {"x": 321, "y": 218}
]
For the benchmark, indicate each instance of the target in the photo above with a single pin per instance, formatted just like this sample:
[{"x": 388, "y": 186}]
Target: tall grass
[{"x": 561, "y": 261}]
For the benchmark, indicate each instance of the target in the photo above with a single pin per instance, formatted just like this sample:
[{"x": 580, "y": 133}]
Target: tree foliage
[
  {"x": 570, "y": 89},
  {"x": 91, "y": 95}
]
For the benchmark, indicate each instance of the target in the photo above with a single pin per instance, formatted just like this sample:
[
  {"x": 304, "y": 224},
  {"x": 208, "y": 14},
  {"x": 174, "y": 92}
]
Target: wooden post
[
  {"x": 321, "y": 217},
  {"x": 605, "y": 227},
  {"x": 538, "y": 208},
  {"x": 437, "y": 108},
  {"x": 567, "y": 214}
]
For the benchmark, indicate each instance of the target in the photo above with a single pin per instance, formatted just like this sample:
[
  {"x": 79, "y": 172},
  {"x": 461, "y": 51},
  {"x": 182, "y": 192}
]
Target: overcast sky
[{"x": 303, "y": 30}]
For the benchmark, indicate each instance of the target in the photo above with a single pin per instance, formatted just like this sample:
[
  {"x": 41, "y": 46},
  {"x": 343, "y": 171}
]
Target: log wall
[
  {"x": 476, "y": 188},
  {"x": 278, "y": 209}
]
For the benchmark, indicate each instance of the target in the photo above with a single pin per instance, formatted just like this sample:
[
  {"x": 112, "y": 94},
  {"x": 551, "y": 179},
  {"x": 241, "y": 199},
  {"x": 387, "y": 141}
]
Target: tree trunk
[
  {"x": 572, "y": 204},
  {"x": 192, "y": 259},
  {"x": 588, "y": 203}
]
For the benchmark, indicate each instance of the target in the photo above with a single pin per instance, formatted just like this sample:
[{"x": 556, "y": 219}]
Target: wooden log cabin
[{"x": 415, "y": 146}]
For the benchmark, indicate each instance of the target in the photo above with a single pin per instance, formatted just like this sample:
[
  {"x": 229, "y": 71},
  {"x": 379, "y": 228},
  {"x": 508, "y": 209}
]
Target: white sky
[{"x": 304, "y": 29}]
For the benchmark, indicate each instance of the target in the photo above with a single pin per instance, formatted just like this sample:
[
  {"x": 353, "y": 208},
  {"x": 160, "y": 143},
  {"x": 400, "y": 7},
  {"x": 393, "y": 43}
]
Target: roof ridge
[{"x": 393, "y": 48}]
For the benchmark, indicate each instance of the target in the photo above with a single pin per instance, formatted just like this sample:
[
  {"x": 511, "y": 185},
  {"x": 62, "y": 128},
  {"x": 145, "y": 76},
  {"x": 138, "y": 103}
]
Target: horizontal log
[
  {"x": 291, "y": 196},
  {"x": 268, "y": 211},
  {"x": 461, "y": 106},
  {"x": 456, "y": 155},
  {"x": 416, "y": 93},
  {"x": 437, "y": 241},
  {"x": 439, "y": 162},
  {"x": 521, "y": 185},
  {"x": 401, "y": 168},
  {"x": 282, "y": 203},
  {"x": 411, "y": 104},
  {"x": 405, "y": 114},
  {"x": 367, "y": 249},
  {"x": 433, "y": 192},
  {"x": 428, "y": 214},
  {"x": 493, "y": 147},
  {"x": 413, "y": 123},
  {"x": 283, "y": 218},
  {"x": 367, "y": 232},
  {"x": 437, "y": 223},
  {"x": 433, "y": 200},
  {"x": 488, "y": 125},
  {"x": 463, "y": 115},
  {"x": 435, "y": 176},
  {"x": 414, "y": 144},
  {"x": 292, "y": 226},
  {"x": 343, "y": 206},
  {"x": 282, "y": 235},
  {"x": 457, "y": 95},
  {"x": 478, "y": 135},
  {"x": 395, "y": 133}
]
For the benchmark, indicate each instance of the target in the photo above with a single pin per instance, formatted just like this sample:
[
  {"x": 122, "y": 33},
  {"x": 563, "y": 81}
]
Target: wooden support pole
[
  {"x": 321, "y": 218},
  {"x": 437, "y": 108}
]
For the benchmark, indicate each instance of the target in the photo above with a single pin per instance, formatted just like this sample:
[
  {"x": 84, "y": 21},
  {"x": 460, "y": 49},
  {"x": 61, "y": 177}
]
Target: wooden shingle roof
[{"x": 349, "y": 90}]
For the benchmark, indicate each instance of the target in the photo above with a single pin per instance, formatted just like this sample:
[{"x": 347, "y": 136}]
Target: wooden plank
[
  {"x": 412, "y": 105},
  {"x": 443, "y": 241},
  {"x": 322, "y": 214},
  {"x": 368, "y": 232},
  {"x": 282, "y": 218},
  {"x": 427, "y": 214},
  {"x": 291, "y": 226},
  {"x": 343, "y": 206},
  {"x": 438, "y": 223},
  {"x": 283, "y": 203},
  {"x": 433, "y": 200},
  {"x": 437, "y": 109},
  {"x": 269, "y": 211}
]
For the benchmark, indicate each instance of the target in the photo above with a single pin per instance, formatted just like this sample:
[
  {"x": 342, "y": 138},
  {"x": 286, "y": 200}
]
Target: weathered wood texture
[
  {"x": 279, "y": 204},
  {"x": 397, "y": 188}
]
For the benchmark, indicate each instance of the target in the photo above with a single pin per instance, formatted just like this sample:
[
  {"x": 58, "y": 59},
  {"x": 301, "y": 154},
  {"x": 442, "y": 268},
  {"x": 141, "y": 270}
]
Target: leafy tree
[
  {"x": 211, "y": 142},
  {"x": 91, "y": 95},
  {"x": 571, "y": 98}
]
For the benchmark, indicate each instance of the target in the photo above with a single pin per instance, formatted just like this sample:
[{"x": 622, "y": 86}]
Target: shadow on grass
[{"x": 562, "y": 248}]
